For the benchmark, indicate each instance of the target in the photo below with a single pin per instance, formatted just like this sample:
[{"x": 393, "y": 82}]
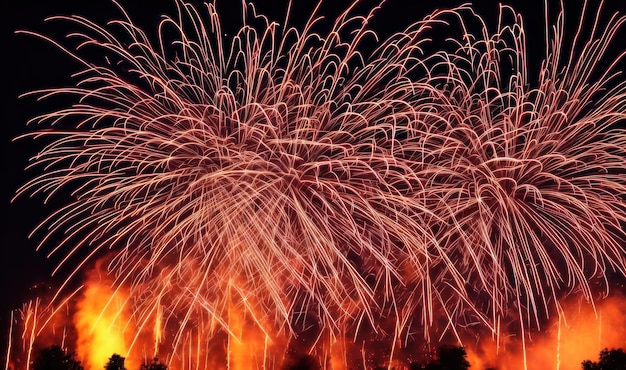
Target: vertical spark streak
[
  {"x": 158, "y": 329},
  {"x": 9, "y": 342},
  {"x": 558, "y": 342},
  {"x": 30, "y": 320}
]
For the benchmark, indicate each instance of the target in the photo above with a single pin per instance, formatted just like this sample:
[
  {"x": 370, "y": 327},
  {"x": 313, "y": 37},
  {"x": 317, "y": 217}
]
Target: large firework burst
[
  {"x": 527, "y": 177},
  {"x": 286, "y": 173},
  {"x": 266, "y": 173}
]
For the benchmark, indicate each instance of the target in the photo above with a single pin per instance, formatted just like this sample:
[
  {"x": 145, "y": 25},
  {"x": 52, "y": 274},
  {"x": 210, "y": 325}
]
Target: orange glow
[
  {"x": 338, "y": 354},
  {"x": 577, "y": 334},
  {"x": 103, "y": 327},
  {"x": 158, "y": 329},
  {"x": 248, "y": 340},
  {"x": 101, "y": 324},
  {"x": 484, "y": 355}
]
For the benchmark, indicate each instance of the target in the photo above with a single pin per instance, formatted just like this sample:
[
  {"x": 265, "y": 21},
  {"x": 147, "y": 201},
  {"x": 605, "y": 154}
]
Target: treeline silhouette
[
  {"x": 610, "y": 359},
  {"x": 55, "y": 358},
  {"x": 447, "y": 358}
]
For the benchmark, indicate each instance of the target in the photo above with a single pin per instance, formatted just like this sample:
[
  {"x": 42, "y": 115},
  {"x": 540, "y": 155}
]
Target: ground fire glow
[{"x": 238, "y": 201}]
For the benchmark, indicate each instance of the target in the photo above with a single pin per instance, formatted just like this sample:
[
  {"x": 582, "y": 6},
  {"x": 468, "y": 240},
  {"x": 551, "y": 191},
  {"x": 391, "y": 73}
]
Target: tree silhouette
[
  {"x": 610, "y": 359},
  {"x": 116, "y": 362},
  {"x": 55, "y": 358},
  {"x": 590, "y": 365},
  {"x": 453, "y": 358},
  {"x": 155, "y": 365},
  {"x": 305, "y": 362},
  {"x": 448, "y": 358}
]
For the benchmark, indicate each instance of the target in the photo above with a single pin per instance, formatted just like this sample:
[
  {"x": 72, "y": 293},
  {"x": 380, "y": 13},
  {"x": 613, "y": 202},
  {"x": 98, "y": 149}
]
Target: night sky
[{"x": 29, "y": 63}]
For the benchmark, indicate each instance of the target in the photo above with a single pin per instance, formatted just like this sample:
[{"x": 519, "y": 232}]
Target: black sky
[{"x": 29, "y": 63}]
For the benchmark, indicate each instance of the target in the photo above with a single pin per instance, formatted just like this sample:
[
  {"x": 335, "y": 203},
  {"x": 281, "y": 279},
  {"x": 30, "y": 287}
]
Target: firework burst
[
  {"x": 267, "y": 174},
  {"x": 287, "y": 174},
  {"x": 528, "y": 177}
]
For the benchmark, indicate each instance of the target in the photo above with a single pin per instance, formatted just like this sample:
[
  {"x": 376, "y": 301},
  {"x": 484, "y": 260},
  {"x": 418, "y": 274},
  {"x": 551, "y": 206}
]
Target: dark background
[{"x": 30, "y": 63}]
